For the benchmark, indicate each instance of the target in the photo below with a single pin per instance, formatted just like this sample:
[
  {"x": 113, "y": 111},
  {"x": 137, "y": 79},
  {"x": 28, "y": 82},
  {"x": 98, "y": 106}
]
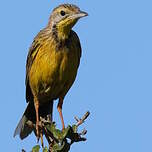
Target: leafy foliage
[{"x": 61, "y": 140}]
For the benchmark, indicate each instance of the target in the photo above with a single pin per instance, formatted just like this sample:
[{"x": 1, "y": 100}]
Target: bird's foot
[
  {"x": 37, "y": 131},
  {"x": 63, "y": 127},
  {"x": 41, "y": 136}
]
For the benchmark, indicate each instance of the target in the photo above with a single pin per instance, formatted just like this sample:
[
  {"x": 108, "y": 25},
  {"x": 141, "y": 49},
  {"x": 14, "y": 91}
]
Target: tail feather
[{"x": 23, "y": 129}]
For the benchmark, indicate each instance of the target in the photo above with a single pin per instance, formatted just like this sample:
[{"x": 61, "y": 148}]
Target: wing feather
[
  {"x": 78, "y": 44},
  {"x": 34, "y": 49}
]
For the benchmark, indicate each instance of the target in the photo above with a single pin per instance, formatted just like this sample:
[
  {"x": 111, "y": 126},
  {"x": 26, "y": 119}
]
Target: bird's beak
[
  {"x": 79, "y": 15},
  {"x": 82, "y": 14}
]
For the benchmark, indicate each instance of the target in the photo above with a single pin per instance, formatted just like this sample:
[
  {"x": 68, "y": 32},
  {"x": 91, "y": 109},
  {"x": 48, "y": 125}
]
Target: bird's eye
[{"x": 62, "y": 13}]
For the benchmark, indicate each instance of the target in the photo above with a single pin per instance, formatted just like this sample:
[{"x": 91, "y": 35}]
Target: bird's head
[{"x": 64, "y": 17}]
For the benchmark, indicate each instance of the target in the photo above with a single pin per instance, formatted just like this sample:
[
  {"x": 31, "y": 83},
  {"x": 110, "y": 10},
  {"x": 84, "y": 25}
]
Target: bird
[{"x": 51, "y": 67}]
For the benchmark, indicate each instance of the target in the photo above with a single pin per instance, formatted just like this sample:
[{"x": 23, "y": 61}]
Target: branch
[
  {"x": 61, "y": 141},
  {"x": 80, "y": 121}
]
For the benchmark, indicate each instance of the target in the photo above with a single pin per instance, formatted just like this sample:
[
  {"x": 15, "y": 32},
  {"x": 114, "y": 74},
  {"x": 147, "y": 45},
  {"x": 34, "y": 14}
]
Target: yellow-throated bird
[{"x": 51, "y": 68}]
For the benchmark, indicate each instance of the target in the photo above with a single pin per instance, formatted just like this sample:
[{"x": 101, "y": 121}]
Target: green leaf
[
  {"x": 58, "y": 147},
  {"x": 75, "y": 128},
  {"x": 58, "y": 134},
  {"x": 36, "y": 148},
  {"x": 45, "y": 149},
  {"x": 65, "y": 132}
]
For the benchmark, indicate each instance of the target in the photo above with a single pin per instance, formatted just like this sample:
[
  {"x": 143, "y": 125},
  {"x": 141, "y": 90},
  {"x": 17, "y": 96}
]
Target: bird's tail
[{"x": 24, "y": 129}]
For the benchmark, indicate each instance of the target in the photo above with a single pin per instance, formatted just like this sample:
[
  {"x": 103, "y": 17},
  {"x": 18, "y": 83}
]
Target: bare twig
[
  {"x": 77, "y": 119},
  {"x": 80, "y": 121},
  {"x": 84, "y": 132}
]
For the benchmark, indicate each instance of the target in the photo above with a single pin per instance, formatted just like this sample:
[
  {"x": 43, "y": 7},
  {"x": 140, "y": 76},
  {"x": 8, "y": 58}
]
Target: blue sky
[{"x": 114, "y": 81}]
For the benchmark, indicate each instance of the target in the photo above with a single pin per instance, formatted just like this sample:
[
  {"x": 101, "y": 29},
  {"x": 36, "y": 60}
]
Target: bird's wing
[
  {"x": 34, "y": 49},
  {"x": 78, "y": 45}
]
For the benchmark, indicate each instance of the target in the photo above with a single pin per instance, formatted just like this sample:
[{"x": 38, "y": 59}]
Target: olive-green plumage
[
  {"x": 53, "y": 69},
  {"x": 52, "y": 64}
]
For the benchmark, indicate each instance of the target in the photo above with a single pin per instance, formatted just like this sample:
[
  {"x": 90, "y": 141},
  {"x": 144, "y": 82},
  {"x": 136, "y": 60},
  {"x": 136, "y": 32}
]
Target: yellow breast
[{"x": 54, "y": 71}]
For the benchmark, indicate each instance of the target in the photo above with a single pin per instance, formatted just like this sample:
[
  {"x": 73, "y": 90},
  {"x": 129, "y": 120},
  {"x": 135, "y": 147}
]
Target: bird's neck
[{"x": 61, "y": 33}]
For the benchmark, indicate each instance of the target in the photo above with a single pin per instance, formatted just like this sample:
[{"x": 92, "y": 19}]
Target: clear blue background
[{"x": 114, "y": 80}]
